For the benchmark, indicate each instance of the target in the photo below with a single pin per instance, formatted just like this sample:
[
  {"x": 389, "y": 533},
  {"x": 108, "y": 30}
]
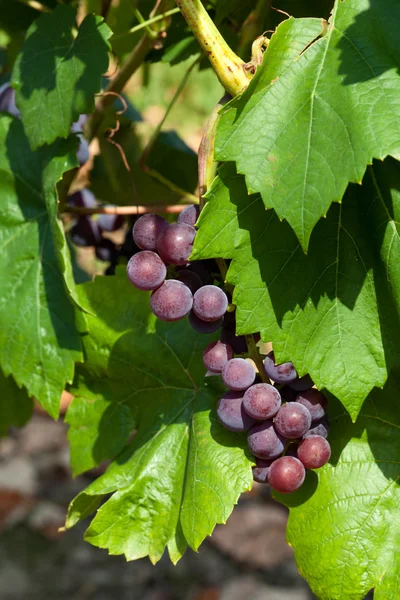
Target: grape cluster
[
  {"x": 163, "y": 245},
  {"x": 88, "y": 230},
  {"x": 7, "y": 104},
  {"x": 286, "y": 422}
]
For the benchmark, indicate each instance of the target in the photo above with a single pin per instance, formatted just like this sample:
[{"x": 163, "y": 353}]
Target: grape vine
[{"x": 220, "y": 316}]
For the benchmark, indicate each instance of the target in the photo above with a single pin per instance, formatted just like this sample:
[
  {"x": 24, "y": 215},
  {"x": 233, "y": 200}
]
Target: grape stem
[
  {"x": 229, "y": 68},
  {"x": 255, "y": 355},
  {"x": 125, "y": 210},
  {"x": 145, "y": 24}
]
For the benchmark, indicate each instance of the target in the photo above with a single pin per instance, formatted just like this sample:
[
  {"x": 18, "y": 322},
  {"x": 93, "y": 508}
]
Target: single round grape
[
  {"x": 189, "y": 278},
  {"x": 83, "y": 198},
  {"x": 238, "y": 342},
  {"x": 314, "y": 401},
  {"x": 86, "y": 232},
  {"x": 7, "y": 100},
  {"x": 238, "y": 374},
  {"x": 210, "y": 303},
  {"x": 204, "y": 327},
  {"x": 264, "y": 441},
  {"x": 260, "y": 471},
  {"x": 216, "y": 355},
  {"x": 314, "y": 452},
  {"x": 172, "y": 301},
  {"x": 320, "y": 428},
  {"x": 301, "y": 383},
  {"x": 286, "y": 474},
  {"x": 189, "y": 215},
  {"x": 110, "y": 222},
  {"x": 282, "y": 373},
  {"x": 293, "y": 420},
  {"x": 147, "y": 229},
  {"x": 175, "y": 243},
  {"x": 106, "y": 250},
  {"x": 83, "y": 153},
  {"x": 146, "y": 270},
  {"x": 231, "y": 414},
  {"x": 262, "y": 401}
]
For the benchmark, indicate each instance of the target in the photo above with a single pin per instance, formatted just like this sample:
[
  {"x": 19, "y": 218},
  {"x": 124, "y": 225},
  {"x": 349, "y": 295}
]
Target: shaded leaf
[
  {"x": 38, "y": 338},
  {"x": 182, "y": 473},
  {"x": 15, "y": 405},
  {"x": 57, "y": 74}
]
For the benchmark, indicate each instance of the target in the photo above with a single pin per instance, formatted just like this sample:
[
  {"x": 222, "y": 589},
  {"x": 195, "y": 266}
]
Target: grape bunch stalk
[{"x": 283, "y": 414}]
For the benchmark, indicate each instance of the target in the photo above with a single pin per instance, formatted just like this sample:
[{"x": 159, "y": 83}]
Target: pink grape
[
  {"x": 262, "y": 401},
  {"x": 314, "y": 401},
  {"x": 282, "y": 373},
  {"x": 286, "y": 474},
  {"x": 175, "y": 243},
  {"x": 238, "y": 374},
  {"x": 264, "y": 441},
  {"x": 314, "y": 452},
  {"x": 210, "y": 303},
  {"x": 231, "y": 414},
  {"x": 147, "y": 229},
  {"x": 293, "y": 420},
  {"x": 146, "y": 270},
  {"x": 172, "y": 301},
  {"x": 189, "y": 215},
  {"x": 216, "y": 355}
]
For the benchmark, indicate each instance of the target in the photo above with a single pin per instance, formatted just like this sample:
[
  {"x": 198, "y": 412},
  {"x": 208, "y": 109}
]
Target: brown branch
[{"x": 125, "y": 210}]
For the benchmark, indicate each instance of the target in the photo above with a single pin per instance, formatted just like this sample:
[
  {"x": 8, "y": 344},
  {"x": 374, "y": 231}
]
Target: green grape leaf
[
  {"x": 112, "y": 183},
  {"x": 15, "y": 405},
  {"x": 182, "y": 472},
  {"x": 57, "y": 74},
  {"x": 38, "y": 338},
  {"x": 344, "y": 523},
  {"x": 302, "y": 131},
  {"x": 332, "y": 312}
]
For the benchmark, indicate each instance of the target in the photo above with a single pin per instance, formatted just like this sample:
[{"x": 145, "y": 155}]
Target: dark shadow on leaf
[{"x": 370, "y": 46}]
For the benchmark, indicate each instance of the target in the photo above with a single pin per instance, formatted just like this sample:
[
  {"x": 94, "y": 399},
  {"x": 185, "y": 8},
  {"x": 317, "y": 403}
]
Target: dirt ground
[{"x": 246, "y": 559}]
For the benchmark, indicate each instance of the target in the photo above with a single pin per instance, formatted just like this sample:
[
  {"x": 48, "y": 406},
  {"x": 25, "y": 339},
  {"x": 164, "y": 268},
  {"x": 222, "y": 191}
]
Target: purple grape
[
  {"x": 204, "y": 327},
  {"x": 190, "y": 279},
  {"x": 146, "y": 231},
  {"x": 7, "y": 100},
  {"x": 231, "y": 414},
  {"x": 110, "y": 222},
  {"x": 262, "y": 401},
  {"x": 314, "y": 401},
  {"x": 210, "y": 303},
  {"x": 175, "y": 243},
  {"x": 106, "y": 250},
  {"x": 238, "y": 374},
  {"x": 260, "y": 471},
  {"x": 314, "y": 452},
  {"x": 282, "y": 373},
  {"x": 86, "y": 232},
  {"x": 286, "y": 474},
  {"x": 293, "y": 420},
  {"x": 216, "y": 355},
  {"x": 146, "y": 270},
  {"x": 264, "y": 441},
  {"x": 172, "y": 301},
  {"x": 84, "y": 199},
  {"x": 189, "y": 215},
  {"x": 301, "y": 383},
  {"x": 320, "y": 428}
]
